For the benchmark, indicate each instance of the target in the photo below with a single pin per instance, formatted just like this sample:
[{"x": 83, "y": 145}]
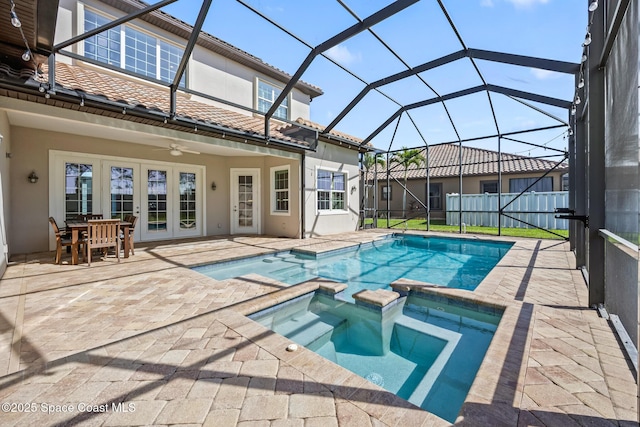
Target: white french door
[
  {"x": 171, "y": 202},
  {"x": 245, "y": 201},
  {"x": 167, "y": 198},
  {"x": 157, "y": 216}
]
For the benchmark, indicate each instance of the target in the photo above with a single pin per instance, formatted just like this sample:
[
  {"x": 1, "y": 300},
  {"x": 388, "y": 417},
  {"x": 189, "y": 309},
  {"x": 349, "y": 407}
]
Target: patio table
[{"x": 77, "y": 227}]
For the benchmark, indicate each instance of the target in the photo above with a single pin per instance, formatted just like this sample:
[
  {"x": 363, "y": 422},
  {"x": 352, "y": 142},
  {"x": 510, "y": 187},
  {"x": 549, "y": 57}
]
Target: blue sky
[{"x": 552, "y": 29}]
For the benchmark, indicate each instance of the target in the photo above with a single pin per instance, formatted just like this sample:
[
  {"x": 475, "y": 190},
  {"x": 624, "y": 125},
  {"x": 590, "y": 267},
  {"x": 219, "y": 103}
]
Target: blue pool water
[
  {"x": 451, "y": 262},
  {"x": 425, "y": 351}
]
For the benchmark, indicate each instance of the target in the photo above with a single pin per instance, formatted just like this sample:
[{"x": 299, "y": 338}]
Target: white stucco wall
[
  {"x": 5, "y": 193},
  {"x": 335, "y": 158}
]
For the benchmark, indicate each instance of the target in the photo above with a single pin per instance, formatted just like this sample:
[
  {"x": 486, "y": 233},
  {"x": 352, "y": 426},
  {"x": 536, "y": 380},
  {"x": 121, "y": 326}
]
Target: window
[
  {"x": 386, "y": 192},
  {"x": 488, "y": 187},
  {"x": 78, "y": 190},
  {"x": 331, "y": 190},
  {"x": 517, "y": 185},
  {"x": 435, "y": 196},
  {"x": 267, "y": 95},
  {"x": 280, "y": 194},
  {"x": 565, "y": 182},
  {"x": 170, "y": 57},
  {"x": 142, "y": 53},
  {"x": 103, "y": 47}
]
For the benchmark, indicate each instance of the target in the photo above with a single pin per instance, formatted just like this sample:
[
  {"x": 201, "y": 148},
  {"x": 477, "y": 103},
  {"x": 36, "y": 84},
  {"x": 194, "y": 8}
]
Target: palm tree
[
  {"x": 406, "y": 158},
  {"x": 369, "y": 161}
]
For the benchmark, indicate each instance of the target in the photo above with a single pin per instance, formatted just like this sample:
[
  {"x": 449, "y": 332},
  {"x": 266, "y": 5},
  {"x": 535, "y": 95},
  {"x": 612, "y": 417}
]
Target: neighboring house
[
  {"x": 479, "y": 175},
  {"x": 104, "y": 139}
]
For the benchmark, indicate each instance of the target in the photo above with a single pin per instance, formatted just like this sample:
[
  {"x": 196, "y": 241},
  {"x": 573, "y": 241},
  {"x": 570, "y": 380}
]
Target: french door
[
  {"x": 172, "y": 202},
  {"x": 245, "y": 201},
  {"x": 167, "y": 198}
]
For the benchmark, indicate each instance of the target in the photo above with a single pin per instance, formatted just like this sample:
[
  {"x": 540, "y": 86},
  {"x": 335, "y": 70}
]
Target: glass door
[
  {"x": 188, "y": 215},
  {"x": 156, "y": 216},
  {"x": 78, "y": 189},
  {"x": 245, "y": 201},
  {"x": 123, "y": 197}
]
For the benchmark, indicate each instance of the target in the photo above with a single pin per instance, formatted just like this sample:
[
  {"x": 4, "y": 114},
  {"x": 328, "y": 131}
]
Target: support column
[{"x": 595, "y": 103}]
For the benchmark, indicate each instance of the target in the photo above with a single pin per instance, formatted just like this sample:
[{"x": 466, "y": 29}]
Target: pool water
[
  {"x": 424, "y": 351},
  {"x": 451, "y": 262}
]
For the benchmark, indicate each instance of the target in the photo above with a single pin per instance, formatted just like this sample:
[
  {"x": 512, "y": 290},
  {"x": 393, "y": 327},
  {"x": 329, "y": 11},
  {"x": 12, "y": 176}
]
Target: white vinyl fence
[{"x": 482, "y": 209}]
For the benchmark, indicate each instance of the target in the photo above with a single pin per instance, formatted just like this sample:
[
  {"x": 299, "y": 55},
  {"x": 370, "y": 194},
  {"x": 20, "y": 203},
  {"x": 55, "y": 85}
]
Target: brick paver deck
[{"x": 150, "y": 342}]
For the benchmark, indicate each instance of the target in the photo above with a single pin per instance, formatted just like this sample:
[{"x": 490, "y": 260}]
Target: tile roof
[
  {"x": 443, "y": 163},
  {"x": 141, "y": 94}
]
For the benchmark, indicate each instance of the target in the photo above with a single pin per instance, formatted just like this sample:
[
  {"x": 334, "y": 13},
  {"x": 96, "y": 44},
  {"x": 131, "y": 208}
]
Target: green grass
[{"x": 438, "y": 225}]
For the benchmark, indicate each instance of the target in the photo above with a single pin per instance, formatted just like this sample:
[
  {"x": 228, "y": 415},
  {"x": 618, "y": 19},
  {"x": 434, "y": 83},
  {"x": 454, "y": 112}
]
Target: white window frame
[
  {"x": 123, "y": 41},
  {"x": 273, "y": 171},
  {"x": 277, "y": 87},
  {"x": 332, "y": 211}
]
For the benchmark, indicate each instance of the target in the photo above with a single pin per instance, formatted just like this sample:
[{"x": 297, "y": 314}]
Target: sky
[{"x": 551, "y": 29}]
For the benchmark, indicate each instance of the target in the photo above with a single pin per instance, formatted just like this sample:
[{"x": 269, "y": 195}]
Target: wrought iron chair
[{"x": 103, "y": 234}]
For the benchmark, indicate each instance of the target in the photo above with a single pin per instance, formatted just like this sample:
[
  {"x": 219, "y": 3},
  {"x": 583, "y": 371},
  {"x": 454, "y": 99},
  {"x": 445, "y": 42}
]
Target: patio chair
[
  {"x": 133, "y": 220},
  {"x": 103, "y": 234},
  {"x": 62, "y": 239}
]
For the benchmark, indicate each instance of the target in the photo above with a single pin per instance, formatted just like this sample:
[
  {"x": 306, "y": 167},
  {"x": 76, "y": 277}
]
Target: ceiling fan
[{"x": 177, "y": 150}]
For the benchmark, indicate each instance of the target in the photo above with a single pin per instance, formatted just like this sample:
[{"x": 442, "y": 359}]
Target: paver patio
[{"x": 149, "y": 341}]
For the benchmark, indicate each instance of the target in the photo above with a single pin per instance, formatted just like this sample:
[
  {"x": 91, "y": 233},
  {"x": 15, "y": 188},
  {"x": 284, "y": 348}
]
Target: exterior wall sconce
[
  {"x": 353, "y": 189},
  {"x": 33, "y": 178},
  {"x": 213, "y": 186}
]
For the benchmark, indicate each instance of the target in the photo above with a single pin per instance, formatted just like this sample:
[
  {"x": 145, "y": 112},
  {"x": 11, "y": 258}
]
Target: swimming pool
[
  {"x": 424, "y": 350},
  {"x": 451, "y": 262}
]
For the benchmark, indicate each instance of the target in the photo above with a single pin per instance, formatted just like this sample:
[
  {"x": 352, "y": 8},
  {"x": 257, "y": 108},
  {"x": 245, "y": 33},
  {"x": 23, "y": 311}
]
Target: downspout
[{"x": 302, "y": 195}]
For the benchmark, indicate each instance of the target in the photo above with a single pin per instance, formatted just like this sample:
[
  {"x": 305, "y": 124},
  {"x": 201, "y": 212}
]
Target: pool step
[{"x": 309, "y": 328}]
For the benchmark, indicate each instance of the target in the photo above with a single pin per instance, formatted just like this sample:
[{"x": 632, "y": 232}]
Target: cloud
[
  {"x": 522, "y": 4},
  {"x": 486, "y": 3},
  {"x": 343, "y": 55},
  {"x": 544, "y": 74}
]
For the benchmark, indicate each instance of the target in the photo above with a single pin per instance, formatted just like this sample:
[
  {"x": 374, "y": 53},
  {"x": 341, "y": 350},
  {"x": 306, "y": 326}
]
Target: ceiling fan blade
[{"x": 184, "y": 150}]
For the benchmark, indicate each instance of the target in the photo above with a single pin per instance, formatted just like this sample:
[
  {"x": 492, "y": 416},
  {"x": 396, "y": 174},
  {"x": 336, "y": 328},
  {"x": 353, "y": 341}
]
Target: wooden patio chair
[
  {"x": 62, "y": 239},
  {"x": 103, "y": 234}
]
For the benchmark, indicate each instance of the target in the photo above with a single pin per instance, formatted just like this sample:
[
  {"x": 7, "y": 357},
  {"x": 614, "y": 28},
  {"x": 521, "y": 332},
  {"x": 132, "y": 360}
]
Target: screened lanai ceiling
[
  {"x": 411, "y": 73},
  {"x": 297, "y": 37}
]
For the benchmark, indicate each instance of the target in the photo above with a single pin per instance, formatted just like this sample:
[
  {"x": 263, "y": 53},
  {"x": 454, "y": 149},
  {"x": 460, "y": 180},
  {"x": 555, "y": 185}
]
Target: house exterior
[
  {"x": 104, "y": 138},
  {"x": 479, "y": 176}
]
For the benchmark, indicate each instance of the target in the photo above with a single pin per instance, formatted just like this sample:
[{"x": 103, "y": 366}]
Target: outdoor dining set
[{"x": 89, "y": 232}]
